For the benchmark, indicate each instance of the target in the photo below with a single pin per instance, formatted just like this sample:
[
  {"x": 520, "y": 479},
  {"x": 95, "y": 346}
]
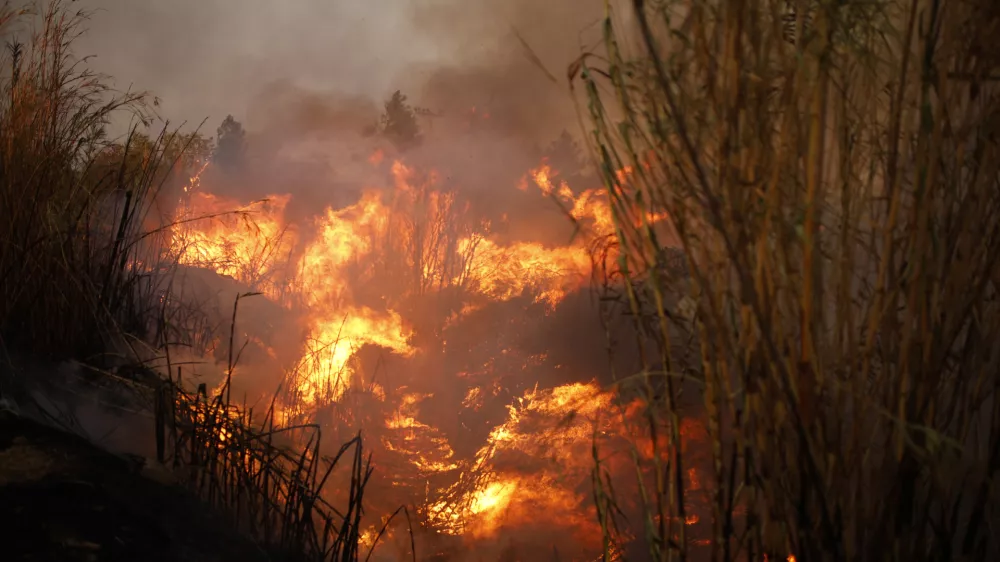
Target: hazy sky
[{"x": 208, "y": 58}]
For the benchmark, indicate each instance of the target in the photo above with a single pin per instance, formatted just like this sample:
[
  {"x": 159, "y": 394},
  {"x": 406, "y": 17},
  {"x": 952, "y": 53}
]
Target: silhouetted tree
[
  {"x": 230, "y": 145},
  {"x": 179, "y": 156},
  {"x": 399, "y": 122}
]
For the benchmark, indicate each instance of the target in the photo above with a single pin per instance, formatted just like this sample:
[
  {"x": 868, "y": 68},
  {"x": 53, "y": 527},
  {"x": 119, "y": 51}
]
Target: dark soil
[{"x": 63, "y": 499}]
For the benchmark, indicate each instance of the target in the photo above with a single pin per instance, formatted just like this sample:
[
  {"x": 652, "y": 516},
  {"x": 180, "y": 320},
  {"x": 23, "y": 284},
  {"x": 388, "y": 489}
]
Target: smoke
[
  {"x": 209, "y": 58},
  {"x": 67, "y": 396},
  {"x": 307, "y": 77}
]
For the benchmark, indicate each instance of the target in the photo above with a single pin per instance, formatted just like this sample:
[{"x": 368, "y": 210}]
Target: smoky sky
[{"x": 205, "y": 59}]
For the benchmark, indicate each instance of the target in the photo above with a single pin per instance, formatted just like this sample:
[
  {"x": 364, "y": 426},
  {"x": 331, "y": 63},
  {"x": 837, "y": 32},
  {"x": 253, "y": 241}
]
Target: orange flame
[{"x": 350, "y": 279}]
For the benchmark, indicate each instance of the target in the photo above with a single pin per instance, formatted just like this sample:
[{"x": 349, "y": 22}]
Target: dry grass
[
  {"x": 77, "y": 253},
  {"x": 261, "y": 475},
  {"x": 834, "y": 187},
  {"x": 272, "y": 493}
]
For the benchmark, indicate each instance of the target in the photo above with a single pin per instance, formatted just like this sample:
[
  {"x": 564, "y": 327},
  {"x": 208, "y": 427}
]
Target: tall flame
[{"x": 351, "y": 274}]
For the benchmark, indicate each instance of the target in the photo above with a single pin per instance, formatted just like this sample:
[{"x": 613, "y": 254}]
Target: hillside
[{"x": 64, "y": 499}]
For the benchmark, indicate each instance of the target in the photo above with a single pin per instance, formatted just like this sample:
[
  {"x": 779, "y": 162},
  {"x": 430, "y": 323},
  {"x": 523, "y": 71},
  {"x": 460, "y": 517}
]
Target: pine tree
[
  {"x": 399, "y": 122},
  {"x": 230, "y": 147}
]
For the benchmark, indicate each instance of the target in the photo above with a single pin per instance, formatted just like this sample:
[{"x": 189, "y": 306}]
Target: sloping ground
[{"x": 63, "y": 499}]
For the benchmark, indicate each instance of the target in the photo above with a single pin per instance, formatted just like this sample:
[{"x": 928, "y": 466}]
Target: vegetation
[
  {"x": 86, "y": 271},
  {"x": 830, "y": 170},
  {"x": 230, "y": 147},
  {"x": 71, "y": 204},
  {"x": 271, "y": 492},
  {"x": 399, "y": 122}
]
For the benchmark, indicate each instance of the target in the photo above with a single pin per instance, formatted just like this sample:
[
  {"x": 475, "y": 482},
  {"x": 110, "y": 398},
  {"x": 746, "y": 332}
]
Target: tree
[
  {"x": 230, "y": 147},
  {"x": 399, "y": 122},
  {"x": 173, "y": 156}
]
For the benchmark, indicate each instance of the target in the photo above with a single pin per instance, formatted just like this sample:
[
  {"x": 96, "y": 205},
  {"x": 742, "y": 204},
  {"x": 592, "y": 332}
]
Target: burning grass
[
  {"x": 411, "y": 306},
  {"x": 271, "y": 490},
  {"x": 798, "y": 227}
]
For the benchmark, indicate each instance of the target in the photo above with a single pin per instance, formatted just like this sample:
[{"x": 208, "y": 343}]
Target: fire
[
  {"x": 553, "y": 426},
  {"x": 338, "y": 328},
  {"x": 436, "y": 454},
  {"x": 590, "y": 205},
  {"x": 494, "y": 498},
  {"x": 195, "y": 180},
  {"x": 245, "y": 242},
  {"x": 343, "y": 236},
  {"x": 504, "y": 272},
  {"x": 352, "y": 275},
  {"x": 326, "y": 372}
]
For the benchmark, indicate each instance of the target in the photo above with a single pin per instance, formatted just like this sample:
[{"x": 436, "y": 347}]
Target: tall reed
[
  {"x": 830, "y": 170},
  {"x": 76, "y": 249}
]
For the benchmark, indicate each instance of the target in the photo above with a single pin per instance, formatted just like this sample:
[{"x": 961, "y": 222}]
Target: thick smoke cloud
[
  {"x": 210, "y": 58},
  {"x": 306, "y": 77}
]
